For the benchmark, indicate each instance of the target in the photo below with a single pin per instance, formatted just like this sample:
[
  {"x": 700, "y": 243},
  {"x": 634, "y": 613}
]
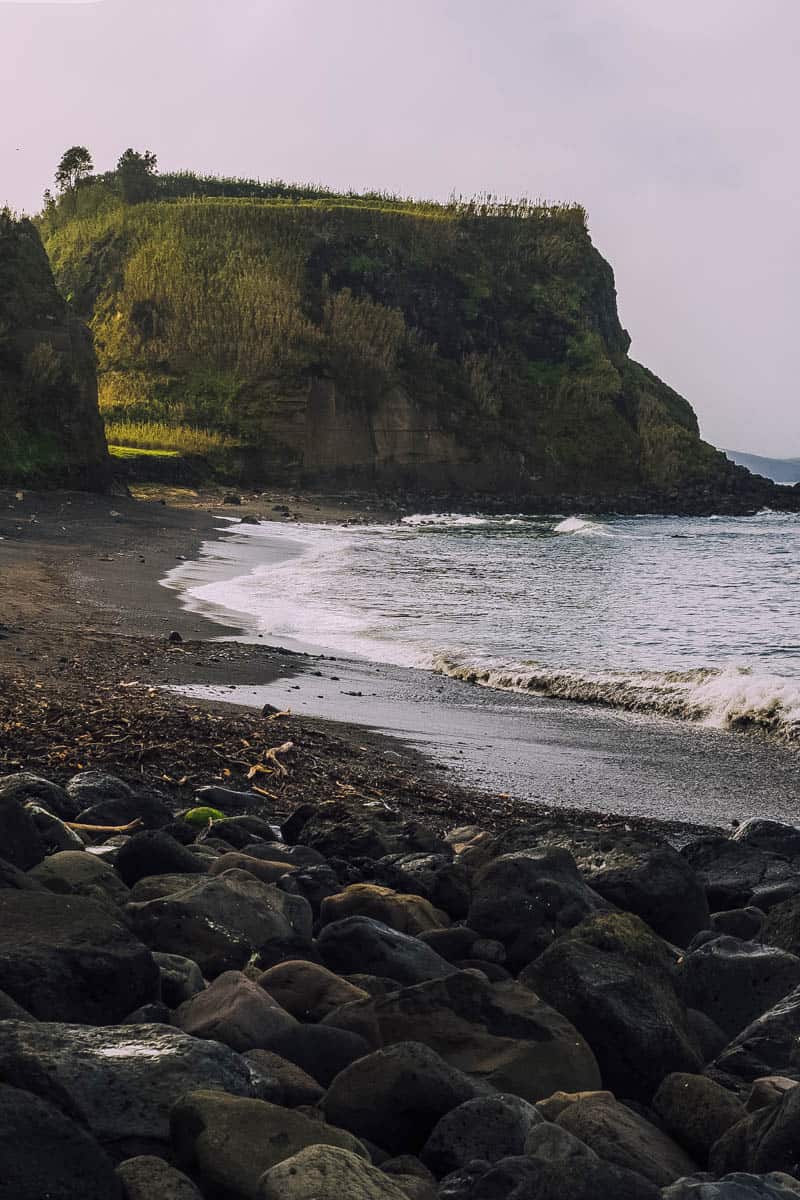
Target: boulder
[
  {"x": 767, "y": 1140},
  {"x": 156, "y": 886},
  {"x": 226, "y": 799},
  {"x": 327, "y": 1173},
  {"x": 121, "y": 1081},
  {"x": 343, "y": 831},
  {"x": 552, "y": 1174},
  {"x": 767, "y": 1090},
  {"x": 295, "y": 857},
  {"x": 235, "y": 1011},
  {"x": 307, "y": 990},
  {"x": 321, "y": 1050},
  {"x": 181, "y": 978},
  {"x": 283, "y": 1082},
  {"x": 92, "y": 787},
  {"x": 696, "y": 1111},
  {"x": 150, "y": 1178},
  {"x": 624, "y": 1139},
  {"x": 744, "y": 923},
  {"x": 315, "y": 883},
  {"x": 64, "y": 958},
  {"x": 54, "y": 834},
  {"x": 767, "y": 1045},
  {"x": 777, "y": 837},
  {"x": 44, "y": 1155},
  {"x": 76, "y": 873},
  {"x": 148, "y": 807},
  {"x": 395, "y": 1097},
  {"x": 22, "y": 881},
  {"x": 20, "y": 843},
  {"x": 153, "y": 852},
  {"x": 362, "y": 944},
  {"x": 404, "y": 913},
  {"x": 222, "y": 922},
  {"x": 435, "y": 876},
  {"x": 502, "y": 1035},
  {"x": 25, "y": 785},
  {"x": 526, "y": 900},
  {"x": 228, "y": 1143},
  {"x": 730, "y": 871},
  {"x": 782, "y": 925},
  {"x": 263, "y": 869},
  {"x": 614, "y": 980},
  {"x": 735, "y": 1187},
  {"x": 734, "y": 982},
  {"x": 488, "y": 1128}
]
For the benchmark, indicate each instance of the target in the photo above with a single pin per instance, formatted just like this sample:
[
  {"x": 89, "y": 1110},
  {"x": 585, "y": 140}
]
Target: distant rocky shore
[{"x": 347, "y": 1003}]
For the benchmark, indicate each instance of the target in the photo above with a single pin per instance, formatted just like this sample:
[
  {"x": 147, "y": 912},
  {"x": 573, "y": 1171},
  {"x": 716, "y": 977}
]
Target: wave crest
[{"x": 732, "y": 698}]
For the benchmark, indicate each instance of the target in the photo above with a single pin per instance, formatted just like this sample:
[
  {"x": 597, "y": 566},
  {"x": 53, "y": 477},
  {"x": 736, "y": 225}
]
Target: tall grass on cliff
[{"x": 216, "y": 307}]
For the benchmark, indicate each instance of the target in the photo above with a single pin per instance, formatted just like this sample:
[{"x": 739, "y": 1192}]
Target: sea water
[{"x": 696, "y": 619}]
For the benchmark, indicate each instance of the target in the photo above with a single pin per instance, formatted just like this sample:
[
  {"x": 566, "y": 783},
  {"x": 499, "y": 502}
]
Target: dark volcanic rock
[
  {"x": 489, "y": 1128},
  {"x": 361, "y": 944},
  {"x": 27, "y": 786},
  {"x": 503, "y": 1035},
  {"x": 64, "y": 958},
  {"x": 730, "y": 871},
  {"x": 782, "y": 925},
  {"x": 778, "y": 837},
  {"x": 744, "y": 923},
  {"x": 225, "y": 799},
  {"x": 307, "y": 990},
  {"x": 150, "y": 1178},
  {"x": 768, "y": 1140},
  {"x": 696, "y": 1111},
  {"x": 46, "y": 1156},
  {"x": 435, "y": 876},
  {"x": 734, "y": 982},
  {"x": 526, "y": 900},
  {"x": 181, "y": 978},
  {"x": 283, "y": 1082},
  {"x": 93, "y": 787},
  {"x": 767, "y": 1045},
  {"x": 221, "y": 922},
  {"x": 20, "y": 843},
  {"x": 338, "y": 830},
  {"x": 320, "y": 1050},
  {"x": 228, "y": 1143},
  {"x": 625, "y": 1139},
  {"x": 235, "y": 1011},
  {"x": 153, "y": 852},
  {"x": 614, "y": 979},
  {"x": 77, "y": 873},
  {"x": 551, "y": 1173},
  {"x": 120, "y": 1081},
  {"x": 738, "y": 1186},
  {"x": 395, "y": 1097},
  {"x": 403, "y": 912}
]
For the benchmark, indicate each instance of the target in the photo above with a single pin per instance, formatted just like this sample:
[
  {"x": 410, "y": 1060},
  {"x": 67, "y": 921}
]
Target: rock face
[
  {"x": 327, "y": 1173},
  {"x": 119, "y": 1081},
  {"x": 614, "y": 980},
  {"x": 477, "y": 351},
  {"x": 230, "y": 1143},
  {"x": 502, "y": 1035},
  {"x": 64, "y": 958},
  {"x": 51, "y": 433},
  {"x": 44, "y": 1154}
]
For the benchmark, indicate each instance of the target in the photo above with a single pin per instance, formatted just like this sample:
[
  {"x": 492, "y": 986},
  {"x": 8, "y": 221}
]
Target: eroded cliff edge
[
  {"x": 371, "y": 342},
  {"x": 51, "y": 433}
]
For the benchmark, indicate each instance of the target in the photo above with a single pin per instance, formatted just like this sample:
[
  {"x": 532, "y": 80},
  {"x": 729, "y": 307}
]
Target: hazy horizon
[{"x": 673, "y": 127}]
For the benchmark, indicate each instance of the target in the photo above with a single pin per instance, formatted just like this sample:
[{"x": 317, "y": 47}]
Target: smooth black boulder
[
  {"x": 20, "y": 842},
  {"x": 153, "y": 852},
  {"x": 66, "y": 958},
  {"x": 362, "y": 944},
  {"x": 734, "y": 982},
  {"x": 46, "y": 1156},
  {"x": 26, "y": 786}
]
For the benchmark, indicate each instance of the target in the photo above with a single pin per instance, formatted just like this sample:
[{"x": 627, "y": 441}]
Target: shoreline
[{"x": 95, "y": 611}]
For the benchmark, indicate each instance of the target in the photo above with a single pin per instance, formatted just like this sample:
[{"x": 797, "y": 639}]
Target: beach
[{"x": 83, "y": 607}]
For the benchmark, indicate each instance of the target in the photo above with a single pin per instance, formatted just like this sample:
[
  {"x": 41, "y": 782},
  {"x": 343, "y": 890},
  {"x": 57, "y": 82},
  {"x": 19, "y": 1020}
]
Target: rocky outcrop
[{"x": 51, "y": 433}]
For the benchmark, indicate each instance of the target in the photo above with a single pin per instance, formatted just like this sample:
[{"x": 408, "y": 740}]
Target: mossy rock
[{"x": 202, "y": 817}]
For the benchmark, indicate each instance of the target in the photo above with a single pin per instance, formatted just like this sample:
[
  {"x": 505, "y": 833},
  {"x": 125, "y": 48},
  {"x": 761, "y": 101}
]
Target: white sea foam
[
  {"x": 445, "y": 520},
  {"x": 581, "y": 526},
  {"x": 724, "y": 698}
]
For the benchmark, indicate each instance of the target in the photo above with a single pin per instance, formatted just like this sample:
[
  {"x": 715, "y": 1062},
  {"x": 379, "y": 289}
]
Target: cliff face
[
  {"x": 51, "y": 433},
  {"x": 380, "y": 343}
]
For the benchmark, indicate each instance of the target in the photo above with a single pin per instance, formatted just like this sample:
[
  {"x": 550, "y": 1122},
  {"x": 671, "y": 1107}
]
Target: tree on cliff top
[
  {"x": 76, "y": 163},
  {"x": 136, "y": 176}
]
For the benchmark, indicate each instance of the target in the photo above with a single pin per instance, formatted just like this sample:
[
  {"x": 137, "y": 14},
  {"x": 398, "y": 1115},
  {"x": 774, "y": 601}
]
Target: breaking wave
[{"x": 732, "y": 698}]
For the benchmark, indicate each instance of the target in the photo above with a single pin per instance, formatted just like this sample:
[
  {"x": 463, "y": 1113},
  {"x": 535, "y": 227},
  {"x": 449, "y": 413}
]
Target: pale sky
[{"x": 675, "y": 124}]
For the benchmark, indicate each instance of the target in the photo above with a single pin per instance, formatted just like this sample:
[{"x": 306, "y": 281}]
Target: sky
[{"x": 675, "y": 125}]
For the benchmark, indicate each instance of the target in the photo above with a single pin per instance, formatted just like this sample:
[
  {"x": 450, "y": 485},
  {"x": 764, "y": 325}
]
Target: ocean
[{"x": 695, "y": 620}]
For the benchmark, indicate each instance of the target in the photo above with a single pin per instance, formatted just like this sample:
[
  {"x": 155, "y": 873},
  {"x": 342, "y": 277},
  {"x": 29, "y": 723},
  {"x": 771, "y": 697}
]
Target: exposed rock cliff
[
  {"x": 382, "y": 343},
  {"x": 51, "y": 433}
]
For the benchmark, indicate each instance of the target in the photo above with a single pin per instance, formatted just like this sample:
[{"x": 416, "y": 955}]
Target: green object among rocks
[{"x": 201, "y": 817}]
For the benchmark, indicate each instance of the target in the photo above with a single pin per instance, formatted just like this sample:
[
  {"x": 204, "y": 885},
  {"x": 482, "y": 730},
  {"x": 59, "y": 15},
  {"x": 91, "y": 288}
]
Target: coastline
[{"x": 80, "y": 592}]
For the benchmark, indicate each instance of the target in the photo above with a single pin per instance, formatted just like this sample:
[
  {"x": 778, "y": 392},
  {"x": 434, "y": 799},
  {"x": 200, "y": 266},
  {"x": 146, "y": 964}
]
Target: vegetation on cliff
[
  {"x": 50, "y": 427},
  {"x": 287, "y": 328}
]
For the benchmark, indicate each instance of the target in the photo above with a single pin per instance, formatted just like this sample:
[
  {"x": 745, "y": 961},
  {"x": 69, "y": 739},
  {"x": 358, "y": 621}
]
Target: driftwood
[{"x": 104, "y": 828}]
